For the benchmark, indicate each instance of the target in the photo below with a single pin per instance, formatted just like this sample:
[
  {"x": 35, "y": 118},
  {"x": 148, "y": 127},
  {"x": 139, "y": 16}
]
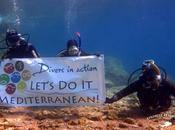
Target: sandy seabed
[{"x": 124, "y": 114}]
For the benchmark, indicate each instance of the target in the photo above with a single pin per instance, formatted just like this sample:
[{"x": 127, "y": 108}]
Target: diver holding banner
[
  {"x": 74, "y": 48},
  {"x": 17, "y": 46}
]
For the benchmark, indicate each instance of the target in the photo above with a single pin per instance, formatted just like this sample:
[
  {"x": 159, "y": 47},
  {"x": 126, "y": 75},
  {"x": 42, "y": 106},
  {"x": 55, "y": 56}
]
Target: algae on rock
[{"x": 115, "y": 75}]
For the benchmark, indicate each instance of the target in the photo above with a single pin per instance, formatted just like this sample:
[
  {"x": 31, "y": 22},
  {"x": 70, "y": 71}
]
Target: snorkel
[{"x": 77, "y": 34}]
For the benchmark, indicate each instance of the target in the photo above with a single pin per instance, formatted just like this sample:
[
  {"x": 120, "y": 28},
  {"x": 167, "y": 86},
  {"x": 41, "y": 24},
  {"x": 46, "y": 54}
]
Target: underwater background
[{"x": 129, "y": 30}]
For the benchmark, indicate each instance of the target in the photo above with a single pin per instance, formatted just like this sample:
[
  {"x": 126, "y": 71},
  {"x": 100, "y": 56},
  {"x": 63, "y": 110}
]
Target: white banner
[{"x": 53, "y": 81}]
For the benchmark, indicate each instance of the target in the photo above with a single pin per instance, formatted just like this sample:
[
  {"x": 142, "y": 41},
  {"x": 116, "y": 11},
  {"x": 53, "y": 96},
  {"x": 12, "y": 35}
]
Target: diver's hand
[
  {"x": 113, "y": 99},
  {"x": 98, "y": 54},
  {"x": 10, "y": 58},
  {"x": 109, "y": 100}
]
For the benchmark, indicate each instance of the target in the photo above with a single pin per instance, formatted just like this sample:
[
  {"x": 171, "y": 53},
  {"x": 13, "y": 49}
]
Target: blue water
[{"x": 131, "y": 30}]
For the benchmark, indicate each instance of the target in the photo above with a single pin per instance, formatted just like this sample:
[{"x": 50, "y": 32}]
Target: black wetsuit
[
  {"x": 148, "y": 98},
  {"x": 65, "y": 53},
  {"x": 23, "y": 50}
]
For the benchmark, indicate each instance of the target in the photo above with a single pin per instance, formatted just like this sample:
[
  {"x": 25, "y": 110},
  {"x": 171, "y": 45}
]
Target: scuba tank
[{"x": 147, "y": 65}]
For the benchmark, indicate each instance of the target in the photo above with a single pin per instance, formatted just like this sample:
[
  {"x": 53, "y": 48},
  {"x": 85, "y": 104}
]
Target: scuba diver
[
  {"x": 153, "y": 89},
  {"x": 73, "y": 48},
  {"x": 17, "y": 46}
]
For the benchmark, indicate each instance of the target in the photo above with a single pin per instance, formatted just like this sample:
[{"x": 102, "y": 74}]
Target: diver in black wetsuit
[
  {"x": 73, "y": 48},
  {"x": 153, "y": 90},
  {"x": 17, "y": 47}
]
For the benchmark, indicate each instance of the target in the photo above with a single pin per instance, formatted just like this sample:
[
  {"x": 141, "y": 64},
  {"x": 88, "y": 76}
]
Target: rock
[
  {"x": 66, "y": 119},
  {"x": 115, "y": 73},
  {"x": 95, "y": 116},
  {"x": 58, "y": 121},
  {"x": 122, "y": 125},
  {"x": 112, "y": 115},
  {"x": 1, "y": 116},
  {"x": 156, "y": 120},
  {"x": 74, "y": 112},
  {"x": 73, "y": 122},
  {"x": 31, "y": 129},
  {"x": 110, "y": 106},
  {"x": 104, "y": 117},
  {"x": 39, "y": 116},
  {"x": 98, "y": 128},
  {"x": 151, "y": 128},
  {"x": 140, "y": 124},
  {"x": 111, "y": 127},
  {"x": 129, "y": 121},
  {"x": 45, "y": 112},
  {"x": 5, "y": 120},
  {"x": 122, "y": 115},
  {"x": 82, "y": 121}
]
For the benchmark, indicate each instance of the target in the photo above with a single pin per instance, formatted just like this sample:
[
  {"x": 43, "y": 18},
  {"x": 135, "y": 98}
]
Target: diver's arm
[
  {"x": 126, "y": 91},
  {"x": 62, "y": 53},
  {"x": 34, "y": 52},
  {"x": 35, "y": 55},
  {"x": 6, "y": 55},
  {"x": 97, "y": 54}
]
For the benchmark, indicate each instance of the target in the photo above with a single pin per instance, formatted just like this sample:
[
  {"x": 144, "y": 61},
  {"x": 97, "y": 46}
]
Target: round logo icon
[
  {"x": 21, "y": 86},
  {"x": 26, "y": 75},
  {"x": 15, "y": 77},
  {"x": 9, "y": 68},
  {"x": 10, "y": 88},
  {"x": 4, "y": 79},
  {"x": 19, "y": 66}
]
